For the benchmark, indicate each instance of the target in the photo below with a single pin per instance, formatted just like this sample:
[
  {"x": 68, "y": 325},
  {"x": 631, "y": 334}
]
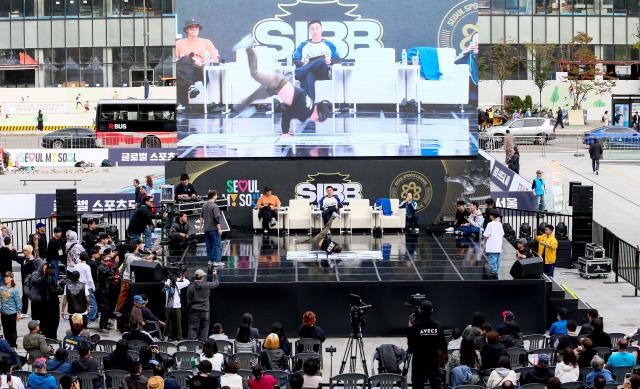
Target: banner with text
[
  {"x": 140, "y": 157},
  {"x": 87, "y": 202},
  {"x": 55, "y": 157}
]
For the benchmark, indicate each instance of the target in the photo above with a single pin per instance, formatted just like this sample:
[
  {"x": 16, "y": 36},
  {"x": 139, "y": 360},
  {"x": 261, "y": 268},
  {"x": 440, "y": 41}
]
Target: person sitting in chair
[
  {"x": 268, "y": 205},
  {"x": 329, "y": 205},
  {"x": 412, "y": 212},
  {"x": 474, "y": 221},
  {"x": 179, "y": 234}
]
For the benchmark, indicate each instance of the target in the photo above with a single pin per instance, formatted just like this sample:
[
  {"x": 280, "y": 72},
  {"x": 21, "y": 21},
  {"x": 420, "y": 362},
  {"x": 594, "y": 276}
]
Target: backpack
[
  {"x": 26, "y": 286},
  {"x": 106, "y": 163},
  {"x": 34, "y": 291}
]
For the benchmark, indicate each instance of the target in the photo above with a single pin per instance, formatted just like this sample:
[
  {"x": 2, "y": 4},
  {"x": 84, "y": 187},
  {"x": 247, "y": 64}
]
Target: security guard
[{"x": 428, "y": 346}]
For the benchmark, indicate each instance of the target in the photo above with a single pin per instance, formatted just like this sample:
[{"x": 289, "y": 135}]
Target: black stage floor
[
  {"x": 371, "y": 134},
  {"x": 251, "y": 258}
]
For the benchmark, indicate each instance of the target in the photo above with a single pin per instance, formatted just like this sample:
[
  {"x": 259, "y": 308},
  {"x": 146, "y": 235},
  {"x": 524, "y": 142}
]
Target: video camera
[
  {"x": 413, "y": 303},
  {"x": 174, "y": 270},
  {"x": 357, "y": 312}
]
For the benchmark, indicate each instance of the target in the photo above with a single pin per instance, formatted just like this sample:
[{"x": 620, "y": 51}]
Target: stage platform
[{"x": 452, "y": 272}]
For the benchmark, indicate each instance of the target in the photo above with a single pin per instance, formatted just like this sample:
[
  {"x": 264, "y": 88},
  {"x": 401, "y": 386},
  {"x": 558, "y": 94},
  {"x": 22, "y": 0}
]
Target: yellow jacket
[{"x": 551, "y": 248}]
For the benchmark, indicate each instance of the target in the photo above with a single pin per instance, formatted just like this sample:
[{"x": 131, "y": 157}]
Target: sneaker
[
  {"x": 180, "y": 107},
  {"x": 597, "y": 172},
  {"x": 193, "y": 92},
  {"x": 416, "y": 230},
  {"x": 273, "y": 222},
  {"x": 335, "y": 215},
  {"x": 450, "y": 229},
  {"x": 247, "y": 112},
  {"x": 266, "y": 232},
  {"x": 244, "y": 43}
]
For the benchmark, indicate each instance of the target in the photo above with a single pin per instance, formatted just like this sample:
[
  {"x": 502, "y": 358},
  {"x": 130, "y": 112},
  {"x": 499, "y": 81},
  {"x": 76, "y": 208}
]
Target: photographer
[
  {"x": 427, "y": 344},
  {"x": 198, "y": 303},
  {"x": 173, "y": 306}
]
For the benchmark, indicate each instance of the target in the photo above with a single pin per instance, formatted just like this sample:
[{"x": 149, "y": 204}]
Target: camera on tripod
[
  {"x": 357, "y": 313},
  {"x": 174, "y": 270},
  {"x": 413, "y": 303}
]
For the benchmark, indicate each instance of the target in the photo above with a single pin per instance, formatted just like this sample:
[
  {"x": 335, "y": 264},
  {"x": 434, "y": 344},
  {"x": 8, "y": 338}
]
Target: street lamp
[{"x": 145, "y": 30}]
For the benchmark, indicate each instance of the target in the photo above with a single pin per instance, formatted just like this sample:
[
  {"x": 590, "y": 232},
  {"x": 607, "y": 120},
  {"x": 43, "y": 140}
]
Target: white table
[
  {"x": 217, "y": 69},
  {"x": 284, "y": 213},
  {"x": 376, "y": 213},
  {"x": 344, "y": 214}
]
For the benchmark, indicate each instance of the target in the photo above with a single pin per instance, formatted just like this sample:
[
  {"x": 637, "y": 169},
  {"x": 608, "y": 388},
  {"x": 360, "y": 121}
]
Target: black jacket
[
  {"x": 514, "y": 163},
  {"x": 273, "y": 359},
  {"x": 490, "y": 354},
  {"x": 426, "y": 341},
  {"x": 566, "y": 340},
  {"x": 188, "y": 190},
  {"x": 7, "y": 256},
  {"x": 313, "y": 332},
  {"x": 177, "y": 228},
  {"x": 600, "y": 339},
  {"x": 539, "y": 375},
  {"x": 53, "y": 251},
  {"x": 103, "y": 281},
  {"x": 140, "y": 219},
  {"x": 89, "y": 239},
  {"x": 595, "y": 150}
]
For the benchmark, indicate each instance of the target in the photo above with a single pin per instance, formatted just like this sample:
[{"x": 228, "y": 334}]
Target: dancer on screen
[{"x": 297, "y": 104}]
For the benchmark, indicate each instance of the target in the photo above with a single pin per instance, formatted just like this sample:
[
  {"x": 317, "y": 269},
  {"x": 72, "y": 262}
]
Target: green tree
[
  {"x": 503, "y": 58},
  {"x": 584, "y": 74},
  {"x": 542, "y": 64},
  {"x": 528, "y": 102},
  {"x": 555, "y": 97}
]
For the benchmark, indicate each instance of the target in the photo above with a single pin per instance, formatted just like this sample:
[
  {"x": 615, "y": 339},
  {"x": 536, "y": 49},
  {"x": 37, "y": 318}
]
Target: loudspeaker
[
  {"x": 527, "y": 269},
  {"x": 67, "y": 223},
  {"x": 571, "y": 185},
  {"x": 144, "y": 271},
  {"x": 67, "y": 202}
]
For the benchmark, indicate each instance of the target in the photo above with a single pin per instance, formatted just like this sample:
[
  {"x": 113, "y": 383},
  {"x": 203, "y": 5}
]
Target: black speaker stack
[
  {"x": 527, "y": 269},
  {"x": 582, "y": 226},
  {"x": 67, "y": 209}
]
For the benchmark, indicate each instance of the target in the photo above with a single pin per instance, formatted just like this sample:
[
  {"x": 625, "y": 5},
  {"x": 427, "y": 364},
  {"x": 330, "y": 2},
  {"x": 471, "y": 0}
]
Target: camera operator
[
  {"x": 428, "y": 346},
  {"x": 179, "y": 234}
]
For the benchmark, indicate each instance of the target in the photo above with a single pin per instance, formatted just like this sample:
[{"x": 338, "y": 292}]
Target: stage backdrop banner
[
  {"x": 436, "y": 184},
  {"x": 140, "y": 157},
  {"x": 514, "y": 200},
  {"x": 87, "y": 202},
  {"x": 56, "y": 157}
]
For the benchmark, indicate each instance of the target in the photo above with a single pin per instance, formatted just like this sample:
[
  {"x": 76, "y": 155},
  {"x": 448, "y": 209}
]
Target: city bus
[{"x": 136, "y": 123}]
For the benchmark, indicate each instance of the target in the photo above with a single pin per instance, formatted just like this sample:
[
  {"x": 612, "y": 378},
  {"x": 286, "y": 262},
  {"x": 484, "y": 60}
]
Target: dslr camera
[
  {"x": 413, "y": 303},
  {"x": 357, "y": 312}
]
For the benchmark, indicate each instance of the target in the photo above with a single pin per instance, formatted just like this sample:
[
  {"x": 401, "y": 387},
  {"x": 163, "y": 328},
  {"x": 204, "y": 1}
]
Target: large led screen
[{"x": 326, "y": 78}]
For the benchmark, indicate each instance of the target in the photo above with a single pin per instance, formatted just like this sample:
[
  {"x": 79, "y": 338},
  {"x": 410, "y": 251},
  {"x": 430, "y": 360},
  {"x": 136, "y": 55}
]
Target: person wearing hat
[
  {"x": 522, "y": 249},
  {"x": 296, "y": 102},
  {"x": 41, "y": 247},
  {"x": 198, "y": 303},
  {"x": 268, "y": 205},
  {"x": 40, "y": 378},
  {"x": 34, "y": 342},
  {"x": 155, "y": 382},
  {"x": 60, "y": 362},
  {"x": 425, "y": 339},
  {"x": 192, "y": 53},
  {"x": 540, "y": 373},
  {"x": 136, "y": 311},
  {"x": 185, "y": 190},
  {"x": 538, "y": 187}
]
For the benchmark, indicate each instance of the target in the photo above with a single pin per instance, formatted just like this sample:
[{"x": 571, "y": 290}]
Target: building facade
[
  {"x": 613, "y": 25},
  {"x": 85, "y": 43}
]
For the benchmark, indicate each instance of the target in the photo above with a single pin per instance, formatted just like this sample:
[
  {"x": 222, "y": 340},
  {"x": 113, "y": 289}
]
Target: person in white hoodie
[
  {"x": 475, "y": 221},
  {"x": 502, "y": 373},
  {"x": 568, "y": 370}
]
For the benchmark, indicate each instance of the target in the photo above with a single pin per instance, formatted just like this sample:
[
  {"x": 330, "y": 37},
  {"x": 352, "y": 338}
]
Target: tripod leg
[
  {"x": 347, "y": 355},
  {"x": 363, "y": 358}
]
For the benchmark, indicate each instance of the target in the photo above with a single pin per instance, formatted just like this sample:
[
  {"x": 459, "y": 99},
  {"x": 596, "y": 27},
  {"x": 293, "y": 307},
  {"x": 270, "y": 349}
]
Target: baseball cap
[
  {"x": 40, "y": 363},
  {"x": 138, "y": 299},
  {"x": 523, "y": 241},
  {"x": 543, "y": 359},
  {"x": 155, "y": 382},
  {"x": 40, "y": 225},
  {"x": 33, "y": 324},
  {"x": 508, "y": 315},
  {"x": 200, "y": 273}
]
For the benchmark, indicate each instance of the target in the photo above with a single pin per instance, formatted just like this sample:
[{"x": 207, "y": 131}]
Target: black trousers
[
  {"x": 266, "y": 214},
  {"x": 103, "y": 308},
  {"x": 25, "y": 304},
  {"x": 421, "y": 374},
  {"x": 595, "y": 164},
  {"x": 187, "y": 74},
  {"x": 51, "y": 312},
  {"x": 9, "y": 324},
  {"x": 412, "y": 220}
]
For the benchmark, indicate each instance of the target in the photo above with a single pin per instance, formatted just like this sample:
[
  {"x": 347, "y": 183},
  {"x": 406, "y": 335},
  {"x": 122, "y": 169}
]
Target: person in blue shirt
[
  {"x": 412, "y": 212},
  {"x": 622, "y": 358},
  {"x": 60, "y": 362},
  {"x": 560, "y": 326},
  {"x": 313, "y": 58},
  {"x": 329, "y": 205},
  {"x": 539, "y": 188},
  {"x": 597, "y": 364},
  {"x": 40, "y": 378}
]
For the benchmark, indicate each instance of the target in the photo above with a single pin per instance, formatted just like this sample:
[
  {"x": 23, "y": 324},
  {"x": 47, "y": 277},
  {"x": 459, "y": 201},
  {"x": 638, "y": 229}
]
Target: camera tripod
[{"x": 352, "y": 352}]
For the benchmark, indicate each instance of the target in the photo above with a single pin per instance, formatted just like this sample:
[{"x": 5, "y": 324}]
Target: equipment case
[{"x": 588, "y": 268}]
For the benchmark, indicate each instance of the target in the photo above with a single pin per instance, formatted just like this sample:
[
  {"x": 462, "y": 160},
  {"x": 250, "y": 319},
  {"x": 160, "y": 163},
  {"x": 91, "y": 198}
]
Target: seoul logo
[
  {"x": 459, "y": 27},
  {"x": 346, "y": 29},
  {"x": 416, "y": 183}
]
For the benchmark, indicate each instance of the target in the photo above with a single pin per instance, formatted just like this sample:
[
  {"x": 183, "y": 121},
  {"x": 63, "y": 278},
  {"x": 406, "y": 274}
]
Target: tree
[
  {"x": 542, "y": 64},
  {"x": 584, "y": 74},
  {"x": 504, "y": 59}
]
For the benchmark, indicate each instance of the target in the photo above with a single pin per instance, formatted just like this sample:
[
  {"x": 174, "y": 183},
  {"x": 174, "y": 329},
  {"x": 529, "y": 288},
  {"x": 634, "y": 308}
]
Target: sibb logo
[
  {"x": 347, "y": 31},
  {"x": 315, "y": 187},
  {"x": 115, "y": 126}
]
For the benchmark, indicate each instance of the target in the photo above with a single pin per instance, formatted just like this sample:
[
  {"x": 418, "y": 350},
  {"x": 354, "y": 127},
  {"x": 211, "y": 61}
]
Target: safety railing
[
  {"x": 517, "y": 217},
  {"x": 625, "y": 258}
]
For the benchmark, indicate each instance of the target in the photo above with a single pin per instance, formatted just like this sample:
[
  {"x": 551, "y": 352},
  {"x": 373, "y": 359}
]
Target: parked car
[
  {"x": 73, "y": 137},
  {"x": 525, "y": 130},
  {"x": 613, "y": 137}
]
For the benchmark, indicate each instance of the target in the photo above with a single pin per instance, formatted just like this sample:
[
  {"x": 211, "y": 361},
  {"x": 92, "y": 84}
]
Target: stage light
[
  {"x": 525, "y": 231},
  {"x": 541, "y": 228},
  {"x": 509, "y": 232},
  {"x": 562, "y": 232}
]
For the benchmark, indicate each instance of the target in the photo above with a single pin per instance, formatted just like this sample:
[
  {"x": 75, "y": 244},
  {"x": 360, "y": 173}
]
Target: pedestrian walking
[
  {"x": 78, "y": 101},
  {"x": 606, "y": 119},
  {"x": 539, "y": 188},
  {"x": 40, "y": 120},
  {"x": 558, "y": 119},
  {"x": 595, "y": 153},
  {"x": 514, "y": 161},
  {"x": 509, "y": 144}
]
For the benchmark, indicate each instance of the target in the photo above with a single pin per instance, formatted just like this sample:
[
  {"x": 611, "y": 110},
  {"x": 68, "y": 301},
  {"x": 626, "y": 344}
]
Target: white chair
[
  {"x": 257, "y": 223},
  {"x": 299, "y": 217},
  {"x": 237, "y": 83},
  {"x": 398, "y": 219},
  {"x": 453, "y": 85},
  {"x": 359, "y": 216},
  {"x": 331, "y": 90},
  {"x": 374, "y": 78}
]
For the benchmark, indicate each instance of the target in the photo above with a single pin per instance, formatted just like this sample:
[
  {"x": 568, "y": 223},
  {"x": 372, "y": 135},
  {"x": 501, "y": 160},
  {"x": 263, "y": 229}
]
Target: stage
[{"x": 451, "y": 271}]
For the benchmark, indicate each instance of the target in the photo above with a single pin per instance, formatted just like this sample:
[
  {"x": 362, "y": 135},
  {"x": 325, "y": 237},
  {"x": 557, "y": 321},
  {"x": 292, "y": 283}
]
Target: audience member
[
  {"x": 491, "y": 351},
  {"x": 502, "y": 373},
  {"x": 598, "y": 336},
  {"x": 119, "y": 358},
  {"x": 149, "y": 357},
  {"x": 461, "y": 363},
  {"x": 147, "y": 315},
  {"x": 218, "y": 332},
  {"x": 247, "y": 318},
  {"x": 135, "y": 379},
  {"x": 272, "y": 357},
  {"x": 456, "y": 339},
  {"x": 34, "y": 343},
  {"x": 7, "y": 378},
  {"x": 73, "y": 341},
  {"x": 311, "y": 367},
  {"x": 231, "y": 378},
  {"x": 599, "y": 382},
  {"x": 136, "y": 310},
  {"x": 40, "y": 378},
  {"x": 169, "y": 382},
  {"x": 586, "y": 328},
  {"x": 261, "y": 380},
  {"x": 60, "y": 362},
  {"x": 296, "y": 381},
  {"x": 585, "y": 352},
  {"x": 473, "y": 330},
  {"x": 135, "y": 333},
  {"x": 481, "y": 339},
  {"x": 285, "y": 344},
  {"x": 244, "y": 343},
  {"x": 155, "y": 382},
  {"x": 570, "y": 339},
  {"x": 203, "y": 379},
  {"x": 86, "y": 364},
  {"x": 634, "y": 382},
  {"x": 10, "y": 309},
  {"x": 567, "y": 370},
  {"x": 622, "y": 358},
  {"x": 507, "y": 384},
  {"x": 553, "y": 383},
  {"x": 69, "y": 382},
  {"x": 559, "y": 327},
  {"x": 540, "y": 373},
  {"x": 309, "y": 329},
  {"x": 210, "y": 353},
  {"x": 597, "y": 364},
  {"x": 77, "y": 318}
]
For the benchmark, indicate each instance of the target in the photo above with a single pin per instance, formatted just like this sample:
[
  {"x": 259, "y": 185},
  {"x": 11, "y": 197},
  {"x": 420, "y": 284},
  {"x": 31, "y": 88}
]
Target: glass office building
[
  {"x": 93, "y": 43},
  {"x": 613, "y": 25}
]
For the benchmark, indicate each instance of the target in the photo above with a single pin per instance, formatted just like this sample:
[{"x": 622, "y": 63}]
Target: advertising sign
[
  {"x": 33, "y": 108},
  {"x": 87, "y": 202},
  {"x": 56, "y": 157},
  {"x": 140, "y": 157}
]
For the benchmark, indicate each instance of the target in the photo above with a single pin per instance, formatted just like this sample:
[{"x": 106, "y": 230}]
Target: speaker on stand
[
  {"x": 67, "y": 209},
  {"x": 582, "y": 223},
  {"x": 527, "y": 269}
]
